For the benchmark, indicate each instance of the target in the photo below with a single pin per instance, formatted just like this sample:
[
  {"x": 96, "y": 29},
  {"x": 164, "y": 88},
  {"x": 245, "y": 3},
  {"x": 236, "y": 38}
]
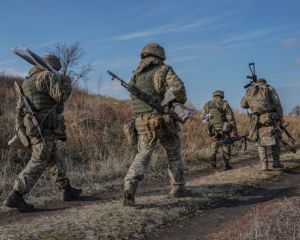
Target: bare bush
[{"x": 70, "y": 56}]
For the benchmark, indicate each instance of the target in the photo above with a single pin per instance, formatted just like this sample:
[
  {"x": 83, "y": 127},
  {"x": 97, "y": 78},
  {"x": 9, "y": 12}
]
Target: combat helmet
[
  {"x": 261, "y": 80},
  {"x": 53, "y": 61},
  {"x": 218, "y": 93},
  {"x": 153, "y": 49}
]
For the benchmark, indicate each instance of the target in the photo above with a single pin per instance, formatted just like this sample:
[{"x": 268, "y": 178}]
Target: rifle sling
[
  {"x": 221, "y": 111},
  {"x": 51, "y": 110}
]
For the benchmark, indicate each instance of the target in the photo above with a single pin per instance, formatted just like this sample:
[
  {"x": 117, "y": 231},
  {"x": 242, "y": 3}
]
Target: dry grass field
[{"x": 97, "y": 154}]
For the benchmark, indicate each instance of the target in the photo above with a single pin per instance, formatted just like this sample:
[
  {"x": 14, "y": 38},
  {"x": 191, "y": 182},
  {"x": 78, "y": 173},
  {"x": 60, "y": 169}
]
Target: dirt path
[
  {"x": 15, "y": 216},
  {"x": 206, "y": 221}
]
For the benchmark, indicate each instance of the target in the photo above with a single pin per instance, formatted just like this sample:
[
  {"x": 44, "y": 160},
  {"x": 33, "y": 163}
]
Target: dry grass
[
  {"x": 97, "y": 154},
  {"x": 110, "y": 220}
]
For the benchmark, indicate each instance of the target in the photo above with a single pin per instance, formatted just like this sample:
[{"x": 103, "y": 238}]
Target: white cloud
[
  {"x": 250, "y": 35},
  {"x": 288, "y": 88},
  {"x": 116, "y": 86},
  {"x": 297, "y": 61},
  {"x": 11, "y": 71},
  {"x": 183, "y": 59},
  {"x": 170, "y": 28},
  {"x": 290, "y": 42},
  {"x": 45, "y": 44},
  {"x": 4, "y": 62}
]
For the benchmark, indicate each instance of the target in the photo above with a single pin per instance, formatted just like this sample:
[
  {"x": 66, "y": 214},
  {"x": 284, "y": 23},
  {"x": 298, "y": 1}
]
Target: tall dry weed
[{"x": 96, "y": 150}]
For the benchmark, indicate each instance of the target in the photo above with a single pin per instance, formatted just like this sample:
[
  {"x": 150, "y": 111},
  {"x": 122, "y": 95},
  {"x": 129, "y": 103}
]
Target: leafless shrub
[{"x": 70, "y": 56}]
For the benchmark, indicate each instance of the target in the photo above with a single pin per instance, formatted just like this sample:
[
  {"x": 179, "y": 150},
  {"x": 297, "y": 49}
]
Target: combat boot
[
  {"x": 69, "y": 192},
  {"x": 277, "y": 164},
  {"x": 213, "y": 160},
  {"x": 180, "y": 191},
  {"x": 227, "y": 167},
  {"x": 129, "y": 195},
  {"x": 264, "y": 165},
  {"x": 15, "y": 200}
]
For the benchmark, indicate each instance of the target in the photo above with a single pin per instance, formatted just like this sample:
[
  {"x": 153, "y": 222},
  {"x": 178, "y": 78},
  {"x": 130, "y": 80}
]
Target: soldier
[
  {"x": 220, "y": 115},
  {"x": 154, "y": 77},
  {"x": 46, "y": 94},
  {"x": 266, "y": 108}
]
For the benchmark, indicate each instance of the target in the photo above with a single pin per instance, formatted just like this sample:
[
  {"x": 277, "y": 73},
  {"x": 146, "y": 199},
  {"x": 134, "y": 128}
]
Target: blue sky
[{"x": 208, "y": 43}]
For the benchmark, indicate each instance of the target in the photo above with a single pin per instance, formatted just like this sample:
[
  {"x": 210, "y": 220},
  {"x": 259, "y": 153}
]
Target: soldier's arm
[
  {"x": 276, "y": 101},
  {"x": 244, "y": 103},
  {"x": 230, "y": 116},
  {"x": 48, "y": 82},
  {"x": 20, "y": 114},
  {"x": 174, "y": 81},
  {"x": 204, "y": 111}
]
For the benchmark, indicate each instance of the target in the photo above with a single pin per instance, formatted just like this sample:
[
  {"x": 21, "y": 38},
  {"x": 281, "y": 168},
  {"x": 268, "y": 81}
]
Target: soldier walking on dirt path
[
  {"x": 221, "y": 124},
  {"x": 153, "y": 77},
  {"x": 46, "y": 94},
  {"x": 266, "y": 108}
]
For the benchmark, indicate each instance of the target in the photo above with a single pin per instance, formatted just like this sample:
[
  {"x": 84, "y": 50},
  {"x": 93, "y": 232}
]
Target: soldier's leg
[
  {"x": 35, "y": 167},
  {"x": 226, "y": 152},
  {"x": 262, "y": 152},
  {"x": 57, "y": 168},
  {"x": 58, "y": 173},
  {"x": 137, "y": 169},
  {"x": 214, "y": 150},
  {"x": 29, "y": 176},
  {"x": 172, "y": 146},
  {"x": 276, "y": 155}
]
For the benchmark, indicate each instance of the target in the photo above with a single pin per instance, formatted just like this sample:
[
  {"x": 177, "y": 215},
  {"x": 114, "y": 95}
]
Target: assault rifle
[
  {"x": 253, "y": 77},
  {"x": 146, "y": 98},
  {"x": 282, "y": 128},
  {"x": 30, "y": 111},
  {"x": 234, "y": 139}
]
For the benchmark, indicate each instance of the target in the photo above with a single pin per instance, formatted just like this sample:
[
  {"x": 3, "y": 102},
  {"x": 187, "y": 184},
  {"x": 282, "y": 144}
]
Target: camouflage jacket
[
  {"x": 226, "y": 109},
  {"x": 46, "y": 82},
  {"x": 271, "y": 95},
  {"x": 164, "y": 78}
]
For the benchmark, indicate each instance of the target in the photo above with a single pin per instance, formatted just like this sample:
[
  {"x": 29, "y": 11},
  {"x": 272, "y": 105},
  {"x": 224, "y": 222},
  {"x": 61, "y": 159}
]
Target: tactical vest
[
  {"x": 144, "y": 81},
  {"x": 216, "y": 118},
  {"x": 39, "y": 101}
]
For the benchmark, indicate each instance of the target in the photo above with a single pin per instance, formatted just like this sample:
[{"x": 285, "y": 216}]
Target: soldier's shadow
[{"x": 218, "y": 195}]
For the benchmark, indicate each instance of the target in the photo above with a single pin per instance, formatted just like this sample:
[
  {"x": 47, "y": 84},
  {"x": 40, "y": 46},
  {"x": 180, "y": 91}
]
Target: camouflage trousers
[
  {"x": 172, "y": 145},
  {"x": 262, "y": 152},
  {"x": 221, "y": 136},
  {"x": 42, "y": 159}
]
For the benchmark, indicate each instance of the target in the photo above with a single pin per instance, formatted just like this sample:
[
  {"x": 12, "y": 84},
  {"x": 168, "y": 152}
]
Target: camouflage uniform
[
  {"x": 271, "y": 105},
  {"x": 220, "y": 135},
  {"x": 43, "y": 158},
  {"x": 164, "y": 77}
]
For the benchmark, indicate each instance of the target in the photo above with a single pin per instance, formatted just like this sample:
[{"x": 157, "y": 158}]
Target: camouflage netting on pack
[{"x": 258, "y": 99}]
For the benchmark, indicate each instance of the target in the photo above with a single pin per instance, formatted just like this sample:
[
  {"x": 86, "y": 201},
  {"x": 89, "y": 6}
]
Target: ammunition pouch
[
  {"x": 52, "y": 121},
  {"x": 266, "y": 136},
  {"x": 268, "y": 118},
  {"x": 21, "y": 131},
  {"x": 250, "y": 118},
  {"x": 131, "y": 132},
  {"x": 227, "y": 127},
  {"x": 156, "y": 128},
  {"x": 59, "y": 128}
]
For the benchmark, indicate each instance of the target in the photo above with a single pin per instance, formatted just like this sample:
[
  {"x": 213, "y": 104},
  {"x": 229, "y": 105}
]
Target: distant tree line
[{"x": 295, "y": 111}]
